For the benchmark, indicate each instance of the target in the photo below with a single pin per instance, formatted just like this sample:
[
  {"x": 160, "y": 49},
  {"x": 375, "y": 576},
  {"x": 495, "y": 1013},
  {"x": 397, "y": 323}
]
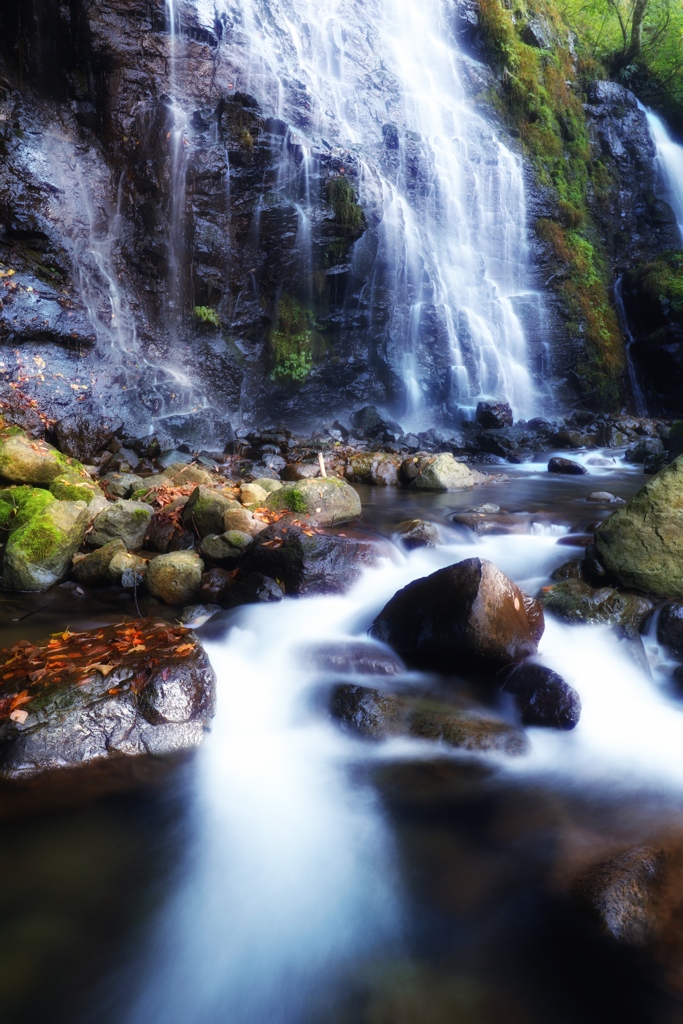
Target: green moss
[
  {"x": 207, "y": 315},
  {"x": 26, "y": 503},
  {"x": 341, "y": 196},
  {"x": 7, "y": 514},
  {"x": 37, "y": 540},
  {"x": 291, "y": 499},
  {"x": 540, "y": 95},
  {"x": 661, "y": 281},
  {"x": 140, "y": 513},
  {"x": 68, "y": 489},
  {"x": 291, "y": 341}
]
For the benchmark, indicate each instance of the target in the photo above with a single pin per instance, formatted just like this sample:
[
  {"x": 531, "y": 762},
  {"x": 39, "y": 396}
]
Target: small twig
[{"x": 321, "y": 463}]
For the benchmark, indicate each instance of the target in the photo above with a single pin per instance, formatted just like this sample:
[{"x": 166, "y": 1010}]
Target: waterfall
[
  {"x": 379, "y": 83},
  {"x": 670, "y": 156}
]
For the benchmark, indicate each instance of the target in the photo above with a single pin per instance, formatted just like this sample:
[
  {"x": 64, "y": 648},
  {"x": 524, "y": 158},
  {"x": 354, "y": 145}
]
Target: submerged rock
[
  {"x": 641, "y": 544},
  {"x": 543, "y": 697},
  {"x": 379, "y": 715},
  {"x": 418, "y": 533},
  {"x": 670, "y": 627},
  {"x": 467, "y": 612},
  {"x": 323, "y": 502},
  {"x": 80, "y": 699},
  {"x": 576, "y": 602},
  {"x": 175, "y": 578}
]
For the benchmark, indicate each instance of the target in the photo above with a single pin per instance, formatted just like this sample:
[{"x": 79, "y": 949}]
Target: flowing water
[
  {"x": 383, "y": 82},
  {"x": 294, "y": 874},
  {"x": 670, "y": 155}
]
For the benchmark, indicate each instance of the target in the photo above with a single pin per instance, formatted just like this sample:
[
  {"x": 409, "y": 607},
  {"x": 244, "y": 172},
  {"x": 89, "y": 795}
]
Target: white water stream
[
  {"x": 291, "y": 881},
  {"x": 670, "y": 155}
]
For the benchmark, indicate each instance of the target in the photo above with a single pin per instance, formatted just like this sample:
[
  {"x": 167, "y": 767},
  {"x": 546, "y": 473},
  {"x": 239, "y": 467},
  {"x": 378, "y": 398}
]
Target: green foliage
[
  {"x": 661, "y": 281},
  {"x": 540, "y": 96},
  {"x": 207, "y": 315},
  {"x": 341, "y": 196},
  {"x": 291, "y": 341},
  {"x": 656, "y": 73}
]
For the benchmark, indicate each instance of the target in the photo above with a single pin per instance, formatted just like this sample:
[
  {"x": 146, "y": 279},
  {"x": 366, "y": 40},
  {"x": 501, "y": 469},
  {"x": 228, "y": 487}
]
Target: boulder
[
  {"x": 417, "y": 533},
  {"x": 215, "y": 584},
  {"x": 493, "y": 415},
  {"x": 379, "y": 468},
  {"x": 82, "y": 436},
  {"x": 266, "y": 484},
  {"x": 253, "y": 494},
  {"x": 605, "y": 497},
  {"x": 189, "y": 475},
  {"x": 244, "y": 520},
  {"x": 641, "y": 543},
  {"x": 376, "y": 714},
  {"x": 175, "y": 578},
  {"x": 623, "y": 894},
  {"x": 127, "y": 520},
  {"x": 309, "y": 562},
  {"x": 122, "y": 485},
  {"x": 205, "y": 508},
  {"x": 543, "y": 697},
  {"x": 226, "y": 549},
  {"x": 69, "y": 487},
  {"x": 369, "y": 422},
  {"x": 27, "y": 461},
  {"x": 166, "y": 531},
  {"x": 119, "y": 692},
  {"x": 670, "y": 628},
  {"x": 38, "y": 553},
  {"x": 467, "y": 612},
  {"x": 252, "y": 588},
  {"x": 322, "y": 502},
  {"x": 93, "y": 570},
  {"x": 566, "y": 466},
  {"x": 576, "y": 602},
  {"x": 443, "y": 473},
  {"x": 128, "y": 569}
]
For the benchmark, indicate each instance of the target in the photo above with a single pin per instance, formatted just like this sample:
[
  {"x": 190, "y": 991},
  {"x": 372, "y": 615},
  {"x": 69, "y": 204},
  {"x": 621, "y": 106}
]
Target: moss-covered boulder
[
  {"x": 322, "y": 502},
  {"x": 443, "y": 473},
  {"x": 175, "y": 578},
  {"x": 641, "y": 543},
  {"x": 25, "y": 460},
  {"x": 576, "y": 602},
  {"x": 377, "y": 714},
  {"x": 78, "y": 700},
  {"x": 379, "y": 468},
  {"x": 38, "y": 553},
  {"x": 19, "y": 504},
  {"x": 205, "y": 509},
  {"x": 70, "y": 487},
  {"x": 127, "y": 520}
]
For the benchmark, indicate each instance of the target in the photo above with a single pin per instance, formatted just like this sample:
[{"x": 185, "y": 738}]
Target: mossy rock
[
  {"x": 38, "y": 554},
  {"x": 226, "y": 549},
  {"x": 68, "y": 487},
  {"x": 128, "y": 520},
  {"x": 324, "y": 501},
  {"x": 27, "y": 461},
  {"x": 444, "y": 473},
  {"x": 175, "y": 578},
  {"x": 576, "y": 602},
  {"x": 20, "y": 504}
]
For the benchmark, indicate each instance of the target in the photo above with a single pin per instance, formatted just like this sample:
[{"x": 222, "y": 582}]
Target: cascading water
[
  {"x": 451, "y": 255},
  {"x": 670, "y": 156}
]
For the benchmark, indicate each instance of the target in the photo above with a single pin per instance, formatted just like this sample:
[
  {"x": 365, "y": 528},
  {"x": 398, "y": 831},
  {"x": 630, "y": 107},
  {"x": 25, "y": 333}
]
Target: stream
[{"x": 291, "y": 873}]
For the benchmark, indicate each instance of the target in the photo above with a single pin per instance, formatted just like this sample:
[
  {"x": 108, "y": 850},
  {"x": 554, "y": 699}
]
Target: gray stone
[{"x": 127, "y": 520}]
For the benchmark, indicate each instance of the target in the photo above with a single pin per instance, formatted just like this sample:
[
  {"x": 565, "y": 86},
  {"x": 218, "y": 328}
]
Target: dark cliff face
[{"x": 156, "y": 250}]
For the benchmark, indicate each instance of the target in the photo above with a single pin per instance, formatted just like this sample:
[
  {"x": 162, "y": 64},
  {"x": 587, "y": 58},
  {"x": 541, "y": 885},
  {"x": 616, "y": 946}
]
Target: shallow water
[{"x": 292, "y": 874}]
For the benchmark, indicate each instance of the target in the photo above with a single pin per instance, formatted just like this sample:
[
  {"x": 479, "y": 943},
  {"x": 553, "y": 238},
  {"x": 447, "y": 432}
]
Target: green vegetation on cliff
[
  {"x": 541, "y": 95},
  {"x": 291, "y": 341}
]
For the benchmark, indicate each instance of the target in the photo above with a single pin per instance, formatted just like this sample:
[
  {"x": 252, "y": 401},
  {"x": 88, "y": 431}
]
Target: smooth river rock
[{"x": 467, "y": 612}]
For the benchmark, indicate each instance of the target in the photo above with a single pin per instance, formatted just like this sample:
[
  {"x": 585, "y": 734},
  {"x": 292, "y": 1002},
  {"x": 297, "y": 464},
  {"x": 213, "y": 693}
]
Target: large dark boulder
[
  {"x": 78, "y": 699},
  {"x": 670, "y": 627},
  {"x": 493, "y": 415},
  {"x": 307, "y": 561},
  {"x": 543, "y": 697},
  {"x": 468, "y": 612}
]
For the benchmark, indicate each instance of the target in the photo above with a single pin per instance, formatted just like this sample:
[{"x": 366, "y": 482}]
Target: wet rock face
[
  {"x": 467, "y": 613},
  {"x": 78, "y": 700},
  {"x": 543, "y": 697},
  {"x": 577, "y": 602}
]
